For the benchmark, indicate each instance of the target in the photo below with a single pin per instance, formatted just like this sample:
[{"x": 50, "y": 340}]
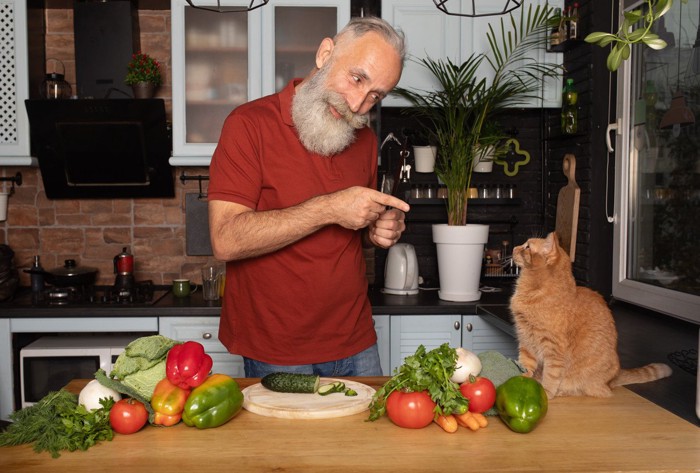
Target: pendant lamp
[
  {"x": 473, "y": 10},
  {"x": 229, "y": 9}
]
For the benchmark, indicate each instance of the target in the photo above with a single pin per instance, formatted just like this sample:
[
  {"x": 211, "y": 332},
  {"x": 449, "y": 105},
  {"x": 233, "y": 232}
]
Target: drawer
[{"x": 204, "y": 330}]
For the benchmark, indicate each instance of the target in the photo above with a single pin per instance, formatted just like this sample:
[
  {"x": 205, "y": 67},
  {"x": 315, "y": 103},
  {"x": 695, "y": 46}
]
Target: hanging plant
[
  {"x": 143, "y": 68},
  {"x": 628, "y": 35}
]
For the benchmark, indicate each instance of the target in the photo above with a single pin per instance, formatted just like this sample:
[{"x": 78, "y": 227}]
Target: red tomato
[
  {"x": 481, "y": 393},
  {"x": 410, "y": 410},
  {"x": 128, "y": 416}
]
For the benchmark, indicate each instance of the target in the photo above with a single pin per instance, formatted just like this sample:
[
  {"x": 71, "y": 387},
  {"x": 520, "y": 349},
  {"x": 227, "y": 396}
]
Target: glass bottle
[
  {"x": 573, "y": 22},
  {"x": 555, "y": 38},
  {"x": 569, "y": 114}
]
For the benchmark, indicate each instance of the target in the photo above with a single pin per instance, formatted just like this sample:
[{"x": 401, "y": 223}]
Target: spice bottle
[
  {"x": 569, "y": 114},
  {"x": 573, "y": 22},
  {"x": 555, "y": 38},
  {"x": 37, "y": 278}
]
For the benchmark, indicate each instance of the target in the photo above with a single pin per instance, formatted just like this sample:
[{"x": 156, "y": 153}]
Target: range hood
[{"x": 101, "y": 148}]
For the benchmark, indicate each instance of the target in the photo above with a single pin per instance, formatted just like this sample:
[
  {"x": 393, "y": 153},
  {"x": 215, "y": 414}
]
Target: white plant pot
[
  {"x": 460, "y": 251},
  {"x": 484, "y": 163},
  {"x": 425, "y": 158}
]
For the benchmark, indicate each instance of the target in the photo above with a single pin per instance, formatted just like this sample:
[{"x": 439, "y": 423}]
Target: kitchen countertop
[
  {"x": 426, "y": 302},
  {"x": 622, "y": 433}
]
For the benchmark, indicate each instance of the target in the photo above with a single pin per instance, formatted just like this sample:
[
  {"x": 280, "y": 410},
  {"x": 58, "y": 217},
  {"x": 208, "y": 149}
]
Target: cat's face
[{"x": 536, "y": 252}]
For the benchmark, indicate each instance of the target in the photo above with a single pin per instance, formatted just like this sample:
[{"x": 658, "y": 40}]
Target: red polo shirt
[{"x": 306, "y": 303}]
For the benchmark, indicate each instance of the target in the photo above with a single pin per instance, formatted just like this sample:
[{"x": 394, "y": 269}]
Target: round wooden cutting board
[{"x": 261, "y": 400}]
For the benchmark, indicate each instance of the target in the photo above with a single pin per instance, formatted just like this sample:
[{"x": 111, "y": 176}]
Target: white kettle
[{"x": 401, "y": 270}]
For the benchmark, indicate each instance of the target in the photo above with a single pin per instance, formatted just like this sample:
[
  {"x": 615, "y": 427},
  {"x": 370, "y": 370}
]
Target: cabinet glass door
[
  {"x": 214, "y": 55},
  {"x": 293, "y": 31},
  {"x": 657, "y": 229},
  {"x": 216, "y": 70}
]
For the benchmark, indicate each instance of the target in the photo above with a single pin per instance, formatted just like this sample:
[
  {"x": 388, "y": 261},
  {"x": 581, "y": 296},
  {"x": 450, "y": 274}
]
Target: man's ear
[{"x": 324, "y": 52}]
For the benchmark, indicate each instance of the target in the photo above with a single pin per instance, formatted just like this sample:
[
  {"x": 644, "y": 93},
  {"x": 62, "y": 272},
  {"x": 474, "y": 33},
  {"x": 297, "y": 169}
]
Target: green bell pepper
[
  {"x": 521, "y": 403},
  {"x": 213, "y": 403}
]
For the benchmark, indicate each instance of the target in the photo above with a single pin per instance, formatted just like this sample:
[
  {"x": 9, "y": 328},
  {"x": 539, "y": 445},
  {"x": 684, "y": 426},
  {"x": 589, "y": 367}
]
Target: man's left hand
[{"x": 387, "y": 229}]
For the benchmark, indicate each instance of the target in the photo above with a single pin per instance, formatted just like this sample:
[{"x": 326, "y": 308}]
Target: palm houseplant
[{"x": 462, "y": 115}]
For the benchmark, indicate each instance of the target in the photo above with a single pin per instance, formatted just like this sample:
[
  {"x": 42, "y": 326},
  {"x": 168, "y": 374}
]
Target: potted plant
[
  {"x": 143, "y": 75},
  {"x": 462, "y": 113}
]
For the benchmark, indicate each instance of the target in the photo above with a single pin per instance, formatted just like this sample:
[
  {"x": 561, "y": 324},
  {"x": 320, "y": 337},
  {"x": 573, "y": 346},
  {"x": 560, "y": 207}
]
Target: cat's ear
[{"x": 551, "y": 244}]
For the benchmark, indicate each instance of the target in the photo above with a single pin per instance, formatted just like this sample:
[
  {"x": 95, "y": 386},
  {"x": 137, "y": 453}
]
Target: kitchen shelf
[{"x": 514, "y": 201}]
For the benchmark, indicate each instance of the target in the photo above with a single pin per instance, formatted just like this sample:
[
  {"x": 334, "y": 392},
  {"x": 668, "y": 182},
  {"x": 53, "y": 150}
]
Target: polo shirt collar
[{"x": 286, "y": 95}]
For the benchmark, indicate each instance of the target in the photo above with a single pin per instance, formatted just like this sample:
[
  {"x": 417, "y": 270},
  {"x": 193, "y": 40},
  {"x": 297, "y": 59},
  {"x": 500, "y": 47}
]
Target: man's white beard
[{"x": 319, "y": 130}]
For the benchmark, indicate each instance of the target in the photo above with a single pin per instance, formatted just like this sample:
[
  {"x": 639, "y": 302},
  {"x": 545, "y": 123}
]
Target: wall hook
[
  {"x": 199, "y": 179},
  {"x": 16, "y": 179}
]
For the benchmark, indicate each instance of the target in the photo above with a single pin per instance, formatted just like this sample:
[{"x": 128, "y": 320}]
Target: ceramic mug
[{"x": 183, "y": 288}]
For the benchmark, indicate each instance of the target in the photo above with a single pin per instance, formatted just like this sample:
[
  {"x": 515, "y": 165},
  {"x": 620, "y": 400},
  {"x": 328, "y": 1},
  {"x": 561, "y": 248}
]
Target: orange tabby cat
[{"x": 566, "y": 333}]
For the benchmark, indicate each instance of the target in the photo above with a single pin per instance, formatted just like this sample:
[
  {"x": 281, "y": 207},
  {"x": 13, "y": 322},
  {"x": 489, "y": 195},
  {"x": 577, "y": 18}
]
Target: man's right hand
[{"x": 357, "y": 207}]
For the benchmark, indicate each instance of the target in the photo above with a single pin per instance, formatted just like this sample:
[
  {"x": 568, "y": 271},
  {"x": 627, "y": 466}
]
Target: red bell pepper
[
  {"x": 187, "y": 366},
  {"x": 168, "y": 402}
]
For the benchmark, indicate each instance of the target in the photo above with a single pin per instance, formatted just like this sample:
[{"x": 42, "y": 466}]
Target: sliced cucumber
[
  {"x": 350, "y": 392},
  {"x": 291, "y": 382},
  {"x": 334, "y": 387}
]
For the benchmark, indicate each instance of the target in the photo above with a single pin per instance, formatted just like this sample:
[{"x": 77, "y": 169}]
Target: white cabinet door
[
  {"x": 429, "y": 32},
  {"x": 431, "y": 331},
  {"x": 14, "y": 84},
  {"x": 479, "y": 335},
  {"x": 383, "y": 328},
  {"x": 221, "y": 60},
  {"x": 204, "y": 330}
]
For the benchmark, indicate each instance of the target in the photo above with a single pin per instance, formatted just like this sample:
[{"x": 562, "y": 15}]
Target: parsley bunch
[
  {"x": 57, "y": 422},
  {"x": 425, "y": 371}
]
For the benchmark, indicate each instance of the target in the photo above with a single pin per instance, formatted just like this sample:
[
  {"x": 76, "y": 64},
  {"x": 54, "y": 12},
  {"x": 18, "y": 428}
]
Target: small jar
[{"x": 498, "y": 191}]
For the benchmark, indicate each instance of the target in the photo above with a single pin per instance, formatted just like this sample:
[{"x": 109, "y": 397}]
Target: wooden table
[{"x": 622, "y": 433}]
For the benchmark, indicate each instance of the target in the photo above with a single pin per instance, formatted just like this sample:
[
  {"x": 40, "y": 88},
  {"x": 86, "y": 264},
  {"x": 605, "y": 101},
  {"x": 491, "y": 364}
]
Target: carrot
[
  {"x": 467, "y": 420},
  {"x": 448, "y": 423},
  {"x": 481, "y": 419}
]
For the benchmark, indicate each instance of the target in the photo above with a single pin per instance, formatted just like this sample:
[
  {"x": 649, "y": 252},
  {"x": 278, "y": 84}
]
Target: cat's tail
[{"x": 643, "y": 374}]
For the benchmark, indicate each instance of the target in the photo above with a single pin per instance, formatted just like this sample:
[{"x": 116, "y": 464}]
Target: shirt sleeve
[{"x": 235, "y": 173}]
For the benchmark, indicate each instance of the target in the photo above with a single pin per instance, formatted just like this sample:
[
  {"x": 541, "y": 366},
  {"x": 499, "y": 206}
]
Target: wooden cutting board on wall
[{"x": 567, "y": 208}]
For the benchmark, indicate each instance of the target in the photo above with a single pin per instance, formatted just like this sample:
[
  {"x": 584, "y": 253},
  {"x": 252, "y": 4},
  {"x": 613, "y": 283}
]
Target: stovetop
[{"x": 139, "y": 294}]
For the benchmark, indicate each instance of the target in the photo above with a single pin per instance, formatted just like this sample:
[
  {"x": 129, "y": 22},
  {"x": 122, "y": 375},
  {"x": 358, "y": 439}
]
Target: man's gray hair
[{"x": 359, "y": 26}]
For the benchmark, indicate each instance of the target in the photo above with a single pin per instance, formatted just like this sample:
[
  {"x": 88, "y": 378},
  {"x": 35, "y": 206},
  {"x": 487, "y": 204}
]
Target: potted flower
[
  {"x": 463, "y": 112},
  {"x": 143, "y": 75}
]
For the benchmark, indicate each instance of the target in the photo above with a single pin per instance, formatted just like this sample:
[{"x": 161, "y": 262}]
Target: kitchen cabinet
[
  {"x": 14, "y": 86},
  {"x": 430, "y": 32},
  {"x": 382, "y": 325},
  {"x": 204, "y": 330},
  {"x": 469, "y": 331},
  {"x": 431, "y": 331},
  {"x": 478, "y": 335},
  {"x": 220, "y": 61}
]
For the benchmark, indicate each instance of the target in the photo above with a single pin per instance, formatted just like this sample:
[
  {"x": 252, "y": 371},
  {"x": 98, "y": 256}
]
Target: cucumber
[{"x": 291, "y": 382}]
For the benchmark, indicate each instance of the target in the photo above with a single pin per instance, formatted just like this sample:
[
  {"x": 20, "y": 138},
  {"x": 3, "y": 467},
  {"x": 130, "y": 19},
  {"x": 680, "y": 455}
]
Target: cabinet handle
[
  {"x": 206, "y": 335},
  {"x": 469, "y": 327},
  {"x": 457, "y": 325}
]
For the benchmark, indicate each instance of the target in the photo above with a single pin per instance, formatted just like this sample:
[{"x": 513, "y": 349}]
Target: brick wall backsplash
[{"x": 93, "y": 231}]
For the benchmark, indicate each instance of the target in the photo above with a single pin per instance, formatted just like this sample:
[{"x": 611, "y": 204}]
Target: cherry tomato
[
  {"x": 410, "y": 410},
  {"x": 481, "y": 393},
  {"x": 128, "y": 416}
]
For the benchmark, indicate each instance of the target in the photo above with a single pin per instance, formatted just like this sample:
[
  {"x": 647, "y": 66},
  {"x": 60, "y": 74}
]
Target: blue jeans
[{"x": 365, "y": 363}]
